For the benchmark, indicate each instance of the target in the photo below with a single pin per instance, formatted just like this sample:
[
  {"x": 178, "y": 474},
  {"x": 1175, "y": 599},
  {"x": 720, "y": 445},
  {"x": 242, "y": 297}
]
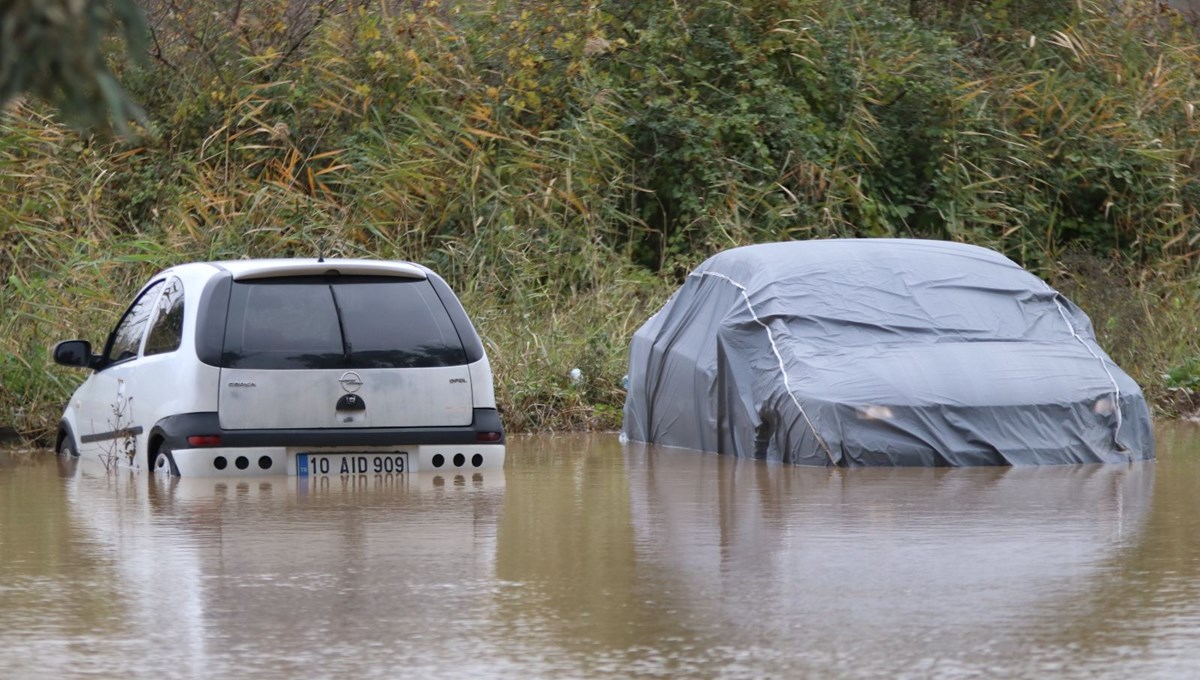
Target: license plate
[{"x": 316, "y": 464}]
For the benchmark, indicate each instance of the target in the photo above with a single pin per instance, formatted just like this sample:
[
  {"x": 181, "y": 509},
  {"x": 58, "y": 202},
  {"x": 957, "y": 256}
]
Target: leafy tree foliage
[{"x": 56, "y": 49}]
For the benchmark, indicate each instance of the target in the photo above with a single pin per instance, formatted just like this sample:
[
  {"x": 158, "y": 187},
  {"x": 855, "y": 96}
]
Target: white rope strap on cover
[
  {"x": 778, "y": 357},
  {"x": 1116, "y": 388}
]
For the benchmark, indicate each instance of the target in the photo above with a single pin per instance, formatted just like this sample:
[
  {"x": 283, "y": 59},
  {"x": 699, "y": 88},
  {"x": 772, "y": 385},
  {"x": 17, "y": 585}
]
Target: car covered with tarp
[{"x": 880, "y": 352}]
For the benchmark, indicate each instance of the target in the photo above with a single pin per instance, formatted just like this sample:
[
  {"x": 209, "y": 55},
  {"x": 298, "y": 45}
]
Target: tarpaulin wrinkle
[
  {"x": 778, "y": 356},
  {"x": 1104, "y": 365}
]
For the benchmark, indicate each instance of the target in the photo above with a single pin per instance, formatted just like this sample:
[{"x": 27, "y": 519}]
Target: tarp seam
[
  {"x": 775, "y": 349},
  {"x": 1116, "y": 387}
]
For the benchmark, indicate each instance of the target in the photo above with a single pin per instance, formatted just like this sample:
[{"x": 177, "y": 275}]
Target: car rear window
[
  {"x": 338, "y": 322},
  {"x": 944, "y": 300}
]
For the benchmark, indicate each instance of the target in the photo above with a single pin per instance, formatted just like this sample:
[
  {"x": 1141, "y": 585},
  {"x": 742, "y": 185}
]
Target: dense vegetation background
[{"x": 565, "y": 164}]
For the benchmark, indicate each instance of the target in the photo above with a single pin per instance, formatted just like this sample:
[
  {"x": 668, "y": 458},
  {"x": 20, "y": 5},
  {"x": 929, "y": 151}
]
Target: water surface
[{"x": 585, "y": 558}]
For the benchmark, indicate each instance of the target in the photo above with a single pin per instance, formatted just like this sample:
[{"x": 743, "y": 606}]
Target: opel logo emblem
[{"x": 350, "y": 381}]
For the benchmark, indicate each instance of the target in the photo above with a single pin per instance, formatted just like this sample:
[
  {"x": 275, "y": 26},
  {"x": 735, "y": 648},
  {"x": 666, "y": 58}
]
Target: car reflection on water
[
  {"x": 894, "y": 553},
  {"x": 273, "y": 574},
  {"x": 586, "y": 558},
  {"x": 722, "y": 562}
]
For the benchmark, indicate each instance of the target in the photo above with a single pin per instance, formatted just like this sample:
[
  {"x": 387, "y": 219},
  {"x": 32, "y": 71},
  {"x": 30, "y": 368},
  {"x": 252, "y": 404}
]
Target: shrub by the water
[{"x": 563, "y": 165}]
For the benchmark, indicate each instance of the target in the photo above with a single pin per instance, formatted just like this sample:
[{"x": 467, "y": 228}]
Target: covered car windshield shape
[
  {"x": 879, "y": 352},
  {"x": 863, "y": 303},
  {"x": 306, "y": 322}
]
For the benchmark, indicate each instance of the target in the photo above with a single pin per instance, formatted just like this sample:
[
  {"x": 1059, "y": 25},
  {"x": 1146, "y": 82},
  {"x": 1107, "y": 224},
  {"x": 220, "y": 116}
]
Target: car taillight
[
  {"x": 204, "y": 440},
  {"x": 487, "y": 436}
]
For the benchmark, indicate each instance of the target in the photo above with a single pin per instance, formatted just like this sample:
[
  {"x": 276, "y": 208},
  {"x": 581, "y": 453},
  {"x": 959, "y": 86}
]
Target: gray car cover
[{"x": 854, "y": 352}]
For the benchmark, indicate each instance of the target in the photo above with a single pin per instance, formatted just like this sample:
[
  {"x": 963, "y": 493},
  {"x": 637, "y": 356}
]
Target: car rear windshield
[
  {"x": 338, "y": 322},
  {"x": 943, "y": 300}
]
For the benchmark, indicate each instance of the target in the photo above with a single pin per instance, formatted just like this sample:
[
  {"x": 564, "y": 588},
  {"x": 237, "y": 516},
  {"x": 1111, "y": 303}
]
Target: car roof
[
  {"x": 840, "y": 260},
  {"x": 270, "y": 268},
  {"x": 789, "y": 256}
]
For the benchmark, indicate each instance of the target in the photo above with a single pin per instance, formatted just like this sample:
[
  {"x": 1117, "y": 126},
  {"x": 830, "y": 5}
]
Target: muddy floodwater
[{"x": 584, "y": 558}]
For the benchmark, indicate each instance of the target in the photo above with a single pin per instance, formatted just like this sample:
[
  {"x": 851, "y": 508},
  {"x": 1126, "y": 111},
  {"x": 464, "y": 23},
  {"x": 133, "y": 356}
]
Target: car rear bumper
[
  {"x": 269, "y": 460},
  {"x": 244, "y": 452}
]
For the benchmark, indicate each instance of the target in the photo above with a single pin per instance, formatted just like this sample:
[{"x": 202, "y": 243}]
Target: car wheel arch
[
  {"x": 156, "y": 444},
  {"x": 153, "y": 444},
  {"x": 64, "y": 433}
]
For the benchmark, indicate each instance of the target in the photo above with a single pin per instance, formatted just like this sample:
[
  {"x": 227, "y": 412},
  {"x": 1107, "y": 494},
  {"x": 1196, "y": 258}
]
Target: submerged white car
[{"x": 299, "y": 367}]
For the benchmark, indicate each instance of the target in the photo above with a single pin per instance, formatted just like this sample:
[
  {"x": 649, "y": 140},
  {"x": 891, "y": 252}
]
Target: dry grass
[{"x": 562, "y": 166}]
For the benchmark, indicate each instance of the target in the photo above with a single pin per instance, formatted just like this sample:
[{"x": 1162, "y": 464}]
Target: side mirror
[{"x": 76, "y": 353}]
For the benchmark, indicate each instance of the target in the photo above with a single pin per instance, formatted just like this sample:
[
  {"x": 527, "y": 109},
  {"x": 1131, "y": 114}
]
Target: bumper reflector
[
  {"x": 487, "y": 436},
  {"x": 199, "y": 440}
]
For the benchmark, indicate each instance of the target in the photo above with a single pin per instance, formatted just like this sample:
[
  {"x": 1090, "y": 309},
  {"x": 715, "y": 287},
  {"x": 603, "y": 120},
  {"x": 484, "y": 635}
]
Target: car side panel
[
  {"x": 482, "y": 389},
  {"x": 97, "y": 412},
  {"x": 167, "y": 384},
  {"x": 113, "y": 411},
  {"x": 115, "y": 408}
]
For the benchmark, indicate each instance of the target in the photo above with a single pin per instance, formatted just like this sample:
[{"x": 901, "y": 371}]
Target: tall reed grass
[{"x": 564, "y": 165}]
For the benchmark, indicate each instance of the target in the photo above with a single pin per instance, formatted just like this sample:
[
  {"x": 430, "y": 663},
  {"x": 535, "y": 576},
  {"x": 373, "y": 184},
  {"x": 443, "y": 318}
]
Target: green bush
[{"x": 565, "y": 165}]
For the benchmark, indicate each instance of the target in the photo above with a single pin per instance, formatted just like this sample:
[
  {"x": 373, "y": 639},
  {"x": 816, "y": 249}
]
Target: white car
[{"x": 304, "y": 367}]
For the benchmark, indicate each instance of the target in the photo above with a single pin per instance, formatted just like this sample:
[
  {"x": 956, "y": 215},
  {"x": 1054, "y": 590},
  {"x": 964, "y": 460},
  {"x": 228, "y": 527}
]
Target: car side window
[
  {"x": 125, "y": 338},
  {"x": 166, "y": 331}
]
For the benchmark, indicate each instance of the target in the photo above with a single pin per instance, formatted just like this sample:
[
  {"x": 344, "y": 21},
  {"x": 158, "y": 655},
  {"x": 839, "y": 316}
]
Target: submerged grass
[{"x": 564, "y": 165}]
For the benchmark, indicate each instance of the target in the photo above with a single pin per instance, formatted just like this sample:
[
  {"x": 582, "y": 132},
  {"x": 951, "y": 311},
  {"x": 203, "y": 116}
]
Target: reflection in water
[
  {"x": 267, "y": 576},
  {"x": 566, "y": 554},
  {"x": 584, "y": 558},
  {"x": 927, "y": 568},
  {"x": 1142, "y": 616},
  {"x": 54, "y": 584}
]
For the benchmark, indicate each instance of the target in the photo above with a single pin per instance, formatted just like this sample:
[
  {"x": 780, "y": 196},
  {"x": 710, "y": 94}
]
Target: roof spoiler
[{"x": 401, "y": 270}]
